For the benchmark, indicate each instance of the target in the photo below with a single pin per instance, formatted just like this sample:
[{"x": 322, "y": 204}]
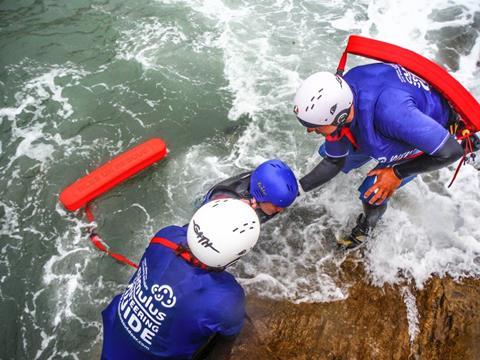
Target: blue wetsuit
[
  {"x": 397, "y": 116},
  {"x": 171, "y": 308}
]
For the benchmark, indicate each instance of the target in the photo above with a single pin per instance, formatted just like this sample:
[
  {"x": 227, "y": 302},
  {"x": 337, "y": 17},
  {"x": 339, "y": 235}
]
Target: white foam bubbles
[
  {"x": 145, "y": 41},
  {"x": 29, "y": 115},
  {"x": 413, "y": 318},
  {"x": 427, "y": 232}
]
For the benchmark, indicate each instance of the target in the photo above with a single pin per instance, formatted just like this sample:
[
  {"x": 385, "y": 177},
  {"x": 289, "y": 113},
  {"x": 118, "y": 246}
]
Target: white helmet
[
  {"x": 323, "y": 99},
  {"x": 222, "y": 231}
]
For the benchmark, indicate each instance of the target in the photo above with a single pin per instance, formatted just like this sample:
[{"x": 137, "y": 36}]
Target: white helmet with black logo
[
  {"x": 323, "y": 99},
  {"x": 222, "y": 231}
]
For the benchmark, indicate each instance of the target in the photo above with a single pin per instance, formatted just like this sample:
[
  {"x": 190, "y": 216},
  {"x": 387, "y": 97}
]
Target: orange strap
[
  {"x": 179, "y": 251},
  {"x": 100, "y": 244}
]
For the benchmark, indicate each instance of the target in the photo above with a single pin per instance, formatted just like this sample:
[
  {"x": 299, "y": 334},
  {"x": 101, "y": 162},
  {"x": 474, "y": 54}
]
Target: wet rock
[
  {"x": 370, "y": 324},
  {"x": 448, "y": 14},
  {"x": 452, "y": 42},
  {"x": 450, "y": 327}
]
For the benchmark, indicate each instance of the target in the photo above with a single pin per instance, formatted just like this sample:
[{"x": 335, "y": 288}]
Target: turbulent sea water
[{"x": 81, "y": 81}]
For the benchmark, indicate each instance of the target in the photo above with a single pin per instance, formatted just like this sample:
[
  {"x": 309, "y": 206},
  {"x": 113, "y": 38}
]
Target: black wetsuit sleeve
[
  {"x": 447, "y": 154},
  {"x": 326, "y": 170}
]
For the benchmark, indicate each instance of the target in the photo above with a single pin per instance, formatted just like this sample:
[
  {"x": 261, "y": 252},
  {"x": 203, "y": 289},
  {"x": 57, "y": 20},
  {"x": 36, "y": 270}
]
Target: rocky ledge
[{"x": 441, "y": 321}]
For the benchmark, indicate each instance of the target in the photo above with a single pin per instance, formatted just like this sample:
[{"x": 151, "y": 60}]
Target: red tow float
[{"x": 107, "y": 176}]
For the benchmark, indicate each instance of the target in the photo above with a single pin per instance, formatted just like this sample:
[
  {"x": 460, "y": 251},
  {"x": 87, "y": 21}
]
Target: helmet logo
[
  {"x": 295, "y": 109},
  {"x": 333, "y": 109},
  {"x": 262, "y": 188},
  {"x": 202, "y": 239}
]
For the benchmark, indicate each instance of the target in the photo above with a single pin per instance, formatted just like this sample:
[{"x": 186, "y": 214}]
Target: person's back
[
  {"x": 171, "y": 306},
  {"x": 393, "y": 113},
  {"x": 370, "y": 81}
]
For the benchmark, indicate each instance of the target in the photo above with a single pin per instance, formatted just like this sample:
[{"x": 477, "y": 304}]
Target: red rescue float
[{"x": 112, "y": 173}]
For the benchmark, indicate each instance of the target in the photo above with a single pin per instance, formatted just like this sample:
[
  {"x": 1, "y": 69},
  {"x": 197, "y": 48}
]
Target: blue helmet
[{"x": 274, "y": 182}]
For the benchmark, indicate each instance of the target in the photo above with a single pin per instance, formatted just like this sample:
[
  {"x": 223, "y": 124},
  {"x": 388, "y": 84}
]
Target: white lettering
[
  {"x": 134, "y": 323},
  {"x": 147, "y": 336},
  {"x": 140, "y": 307}
]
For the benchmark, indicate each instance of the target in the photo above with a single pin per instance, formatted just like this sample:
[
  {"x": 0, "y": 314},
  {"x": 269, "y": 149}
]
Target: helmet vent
[
  {"x": 311, "y": 108},
  {"x": 215, "y": 205},
  {"x": 235, "y": 229},
  {"x": 313, "y": 98},
  {"x": 306, "y": 109},
  {"x": 333, "y": 109}
]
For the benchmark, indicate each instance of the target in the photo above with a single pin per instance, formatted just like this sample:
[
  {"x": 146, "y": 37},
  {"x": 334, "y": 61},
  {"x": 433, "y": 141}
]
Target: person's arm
[
  {"x": 397, "y": 116},
  {"x": 445, "y": 155},
  {"x": 326, "y": 170}
]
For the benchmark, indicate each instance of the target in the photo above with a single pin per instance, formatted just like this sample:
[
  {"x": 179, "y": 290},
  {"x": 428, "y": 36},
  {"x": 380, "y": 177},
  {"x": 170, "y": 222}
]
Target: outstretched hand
[{"x": 386, "y": 184}]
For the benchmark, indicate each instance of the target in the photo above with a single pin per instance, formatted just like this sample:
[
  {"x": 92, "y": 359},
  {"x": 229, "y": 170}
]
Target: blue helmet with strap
[{"x": 273, "y": 181}]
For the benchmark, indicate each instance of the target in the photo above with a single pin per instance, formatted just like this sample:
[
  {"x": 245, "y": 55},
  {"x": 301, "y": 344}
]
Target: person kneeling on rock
[
  {"x": 181, "y": 297},
  {"x": 269, "y": 189}
]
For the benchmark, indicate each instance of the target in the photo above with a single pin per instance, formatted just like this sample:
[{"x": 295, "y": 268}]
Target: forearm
[
  {"x": 326, "y": 170},
  {"x": 447, "y": 154}
]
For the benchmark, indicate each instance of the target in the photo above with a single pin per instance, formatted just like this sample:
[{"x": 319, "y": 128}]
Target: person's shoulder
[
  {"x": 228, "y": 285},
  {"x": 173, "y": 233},
  {"x": 367, "y": 69},
  {"x": 392, "y": 96}
]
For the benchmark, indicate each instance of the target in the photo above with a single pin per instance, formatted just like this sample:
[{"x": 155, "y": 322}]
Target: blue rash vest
[
  {"x": 171, "y": 308},
  {"x": 397, "y": 115}
]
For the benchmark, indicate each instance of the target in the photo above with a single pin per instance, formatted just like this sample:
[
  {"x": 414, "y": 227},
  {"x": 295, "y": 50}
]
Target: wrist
[{"x": 396, "y": 172}]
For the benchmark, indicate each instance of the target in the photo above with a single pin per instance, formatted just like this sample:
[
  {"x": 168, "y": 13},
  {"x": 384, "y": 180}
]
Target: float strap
[
  {"x": 460, "y": 98},
  {"x": 100, "y": 244},
  {"x": 179, "y": 250},
  {"x": 467, "y": 153},
  {"x": 112, "y": 173}
]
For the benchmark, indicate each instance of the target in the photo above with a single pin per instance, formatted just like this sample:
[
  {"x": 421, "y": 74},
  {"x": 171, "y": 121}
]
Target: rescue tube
[
  {"x": 460, "y": 98},
  {"x": 112, "y": 173}
]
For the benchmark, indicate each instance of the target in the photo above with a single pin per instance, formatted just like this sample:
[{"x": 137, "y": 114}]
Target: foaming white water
[
  {"x": 31, "y": 104},
  {"x": 412, "y": 313},
  {"x": 63, "y": 279},
  {"x": 9, "y": 222},
  {"x": 428, "y": 231},
  {"x": 147, "y": 39}
]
